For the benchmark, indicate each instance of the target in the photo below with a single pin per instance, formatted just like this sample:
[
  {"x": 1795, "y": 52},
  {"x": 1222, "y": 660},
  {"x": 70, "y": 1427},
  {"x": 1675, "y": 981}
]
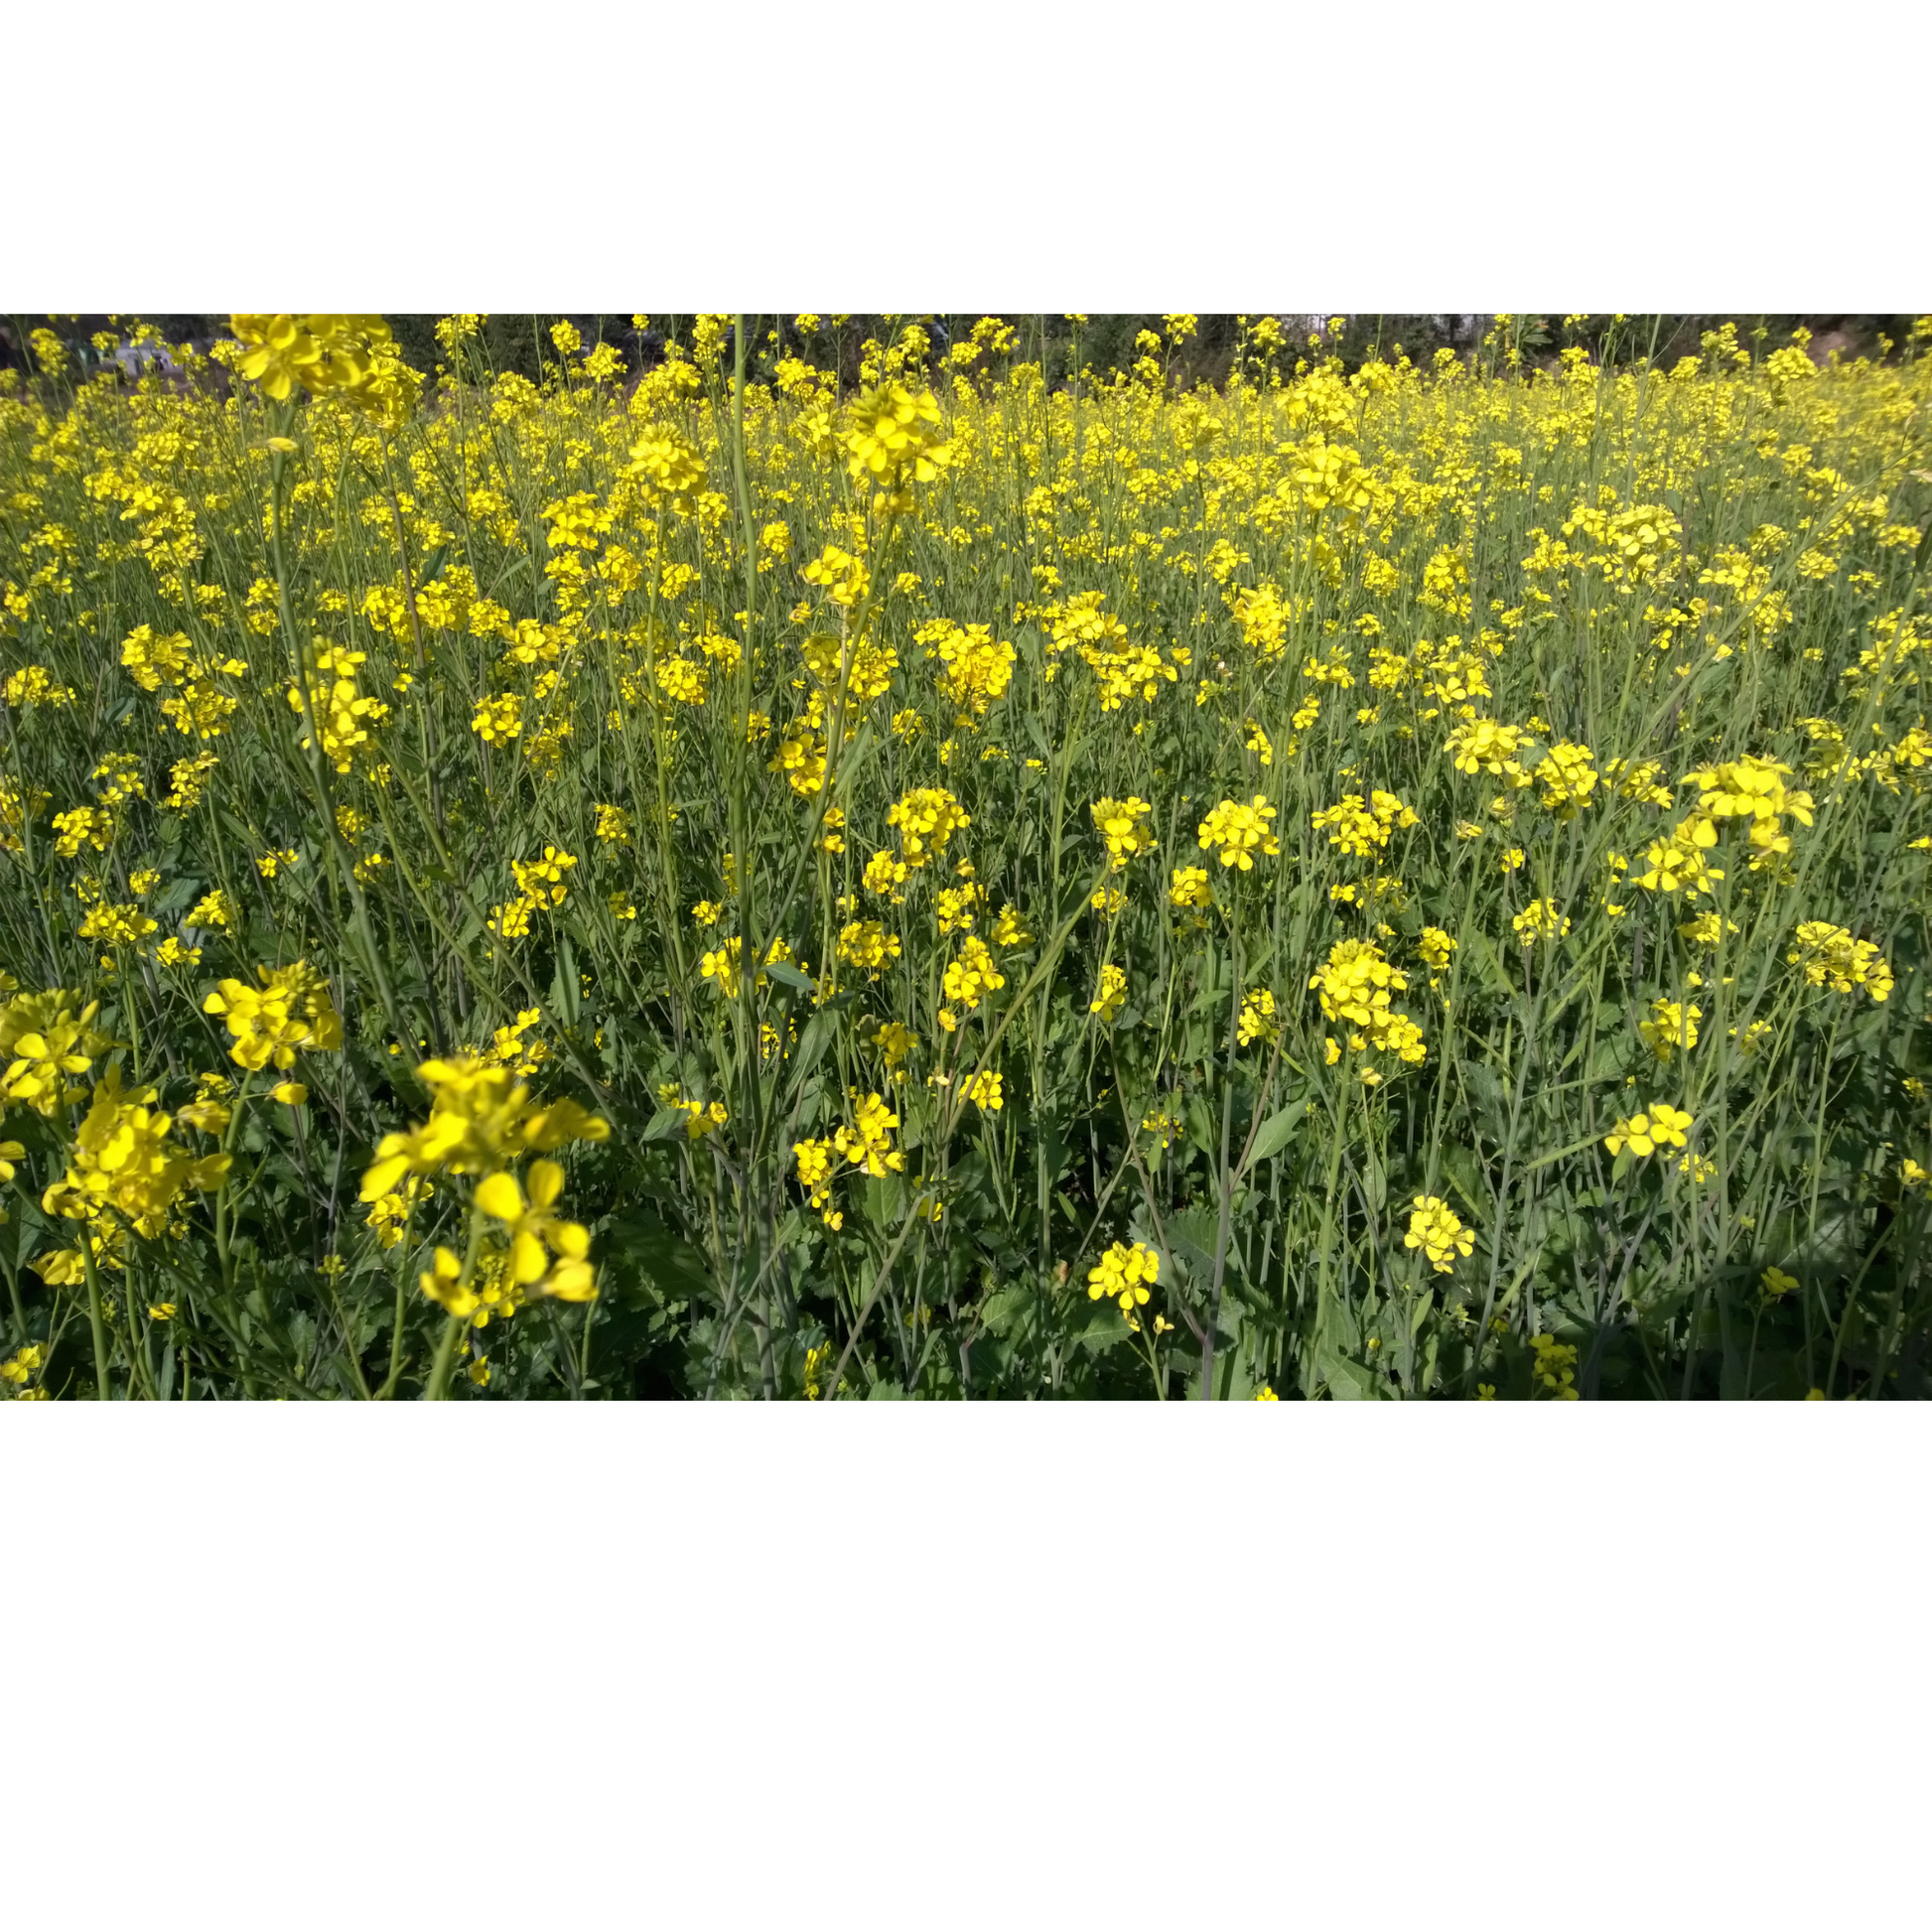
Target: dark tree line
[{"x": 1100, "y": 343}]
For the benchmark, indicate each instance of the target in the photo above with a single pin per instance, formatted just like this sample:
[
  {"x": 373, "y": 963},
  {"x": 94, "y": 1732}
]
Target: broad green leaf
[{"x": 1276, "y": 1130}]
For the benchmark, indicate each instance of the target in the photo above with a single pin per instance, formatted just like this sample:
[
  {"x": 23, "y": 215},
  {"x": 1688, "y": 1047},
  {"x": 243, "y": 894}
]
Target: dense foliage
[{"x": 1379, "y": 884}]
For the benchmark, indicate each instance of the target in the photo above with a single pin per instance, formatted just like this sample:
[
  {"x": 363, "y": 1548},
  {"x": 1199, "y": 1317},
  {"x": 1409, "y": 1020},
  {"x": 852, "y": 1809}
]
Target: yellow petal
[
  {"x": 381, "y": 1178},
  {"x": 573, "y": 1281},
  {"x": 498, "y": 1196}
]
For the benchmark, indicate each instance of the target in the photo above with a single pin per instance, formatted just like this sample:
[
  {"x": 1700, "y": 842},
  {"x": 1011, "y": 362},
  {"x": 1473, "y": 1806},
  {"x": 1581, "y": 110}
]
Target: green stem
[
  {"x": 96, "y": 1316},
  {"x": 438, "y": 1387}
]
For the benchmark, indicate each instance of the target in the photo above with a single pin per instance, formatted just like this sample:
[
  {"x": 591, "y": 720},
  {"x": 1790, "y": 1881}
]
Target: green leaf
[
  {"x": 884, "y": 1200},
  {"x": 1275, "y": 1131},
  {"x": 790, "y": 976},
  {"x": 1562, "y": 1152},
  {"x": 818, "y": 1031},
  {"x": 1007, "y": 1308},
  {"x": 1374, "y": 1181},
  {"x": 646, "y": 1263},
  {"x": 1494, "y": 970},
  {"x": 1105, "y": 1325},
  {"x": 565, "y": 988},
  {"x": 1234, "y": 1377},
  {"x": 1193, "y": 1236},
  {"x": 1486, "y": 1097},
  {"x": 1344, "y": 1380},
  {"x": 1465, "y": 1177},
  {"x": 1202, "y": 1129},
  {"x": 859, "y": 747}
]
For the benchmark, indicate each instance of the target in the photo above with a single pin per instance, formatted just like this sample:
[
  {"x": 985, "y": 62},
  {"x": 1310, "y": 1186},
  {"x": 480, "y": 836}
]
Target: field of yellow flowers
[{"x": 1402, "y": 883}]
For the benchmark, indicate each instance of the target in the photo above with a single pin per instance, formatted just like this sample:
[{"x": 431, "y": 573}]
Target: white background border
[{"x": 299, "y": 1667}]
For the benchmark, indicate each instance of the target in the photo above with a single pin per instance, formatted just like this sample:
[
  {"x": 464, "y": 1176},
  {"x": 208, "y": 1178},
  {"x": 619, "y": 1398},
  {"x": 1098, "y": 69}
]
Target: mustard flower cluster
[
  {"x": 481, "y": 1122},
  {"x": 290, "y": 1012},
  {"x": 864, "y": 1145},
  {"x": 1124, "y": 1275},
  {"x": 46, "y": 1042},
  {"x": 1238, "y": 833},
  {"x": 1435, "y": 1229},
  {"x": 1123, "y": 824},
  {"x": 1831, "y": 956},
  {"x": 122, "y": 1175},
  {"x": 1361, "y": 827},
  {"x": 1355, "y": 986},
  {"x": 1658, "y": 1128},
  {"x": 926, "y": 819}
]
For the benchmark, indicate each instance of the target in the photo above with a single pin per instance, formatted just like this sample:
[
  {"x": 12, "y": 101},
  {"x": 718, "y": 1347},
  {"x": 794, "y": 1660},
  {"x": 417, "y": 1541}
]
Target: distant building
[{"x": 137, "y": 361}]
